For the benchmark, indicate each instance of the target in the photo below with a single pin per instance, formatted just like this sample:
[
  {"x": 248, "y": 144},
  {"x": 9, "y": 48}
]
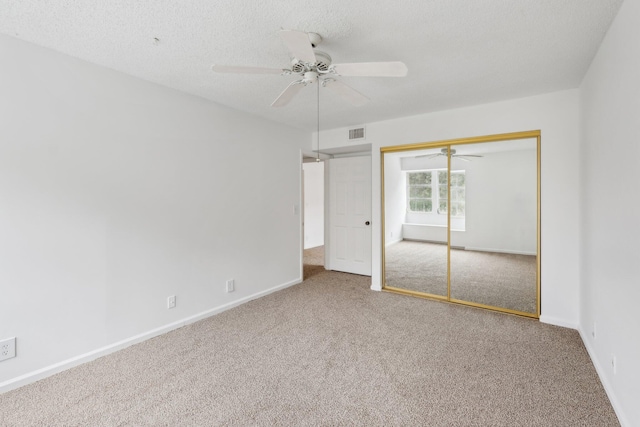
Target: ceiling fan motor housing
[{"x": 315, "y": 39}]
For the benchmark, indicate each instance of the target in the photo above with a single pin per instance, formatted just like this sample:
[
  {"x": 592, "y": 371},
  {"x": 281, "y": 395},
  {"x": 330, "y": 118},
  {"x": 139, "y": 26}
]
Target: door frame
[{"x": 323, "y": 157}]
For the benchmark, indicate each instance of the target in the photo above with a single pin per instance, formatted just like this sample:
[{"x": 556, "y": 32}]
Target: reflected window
[
  {"x": 427, "y": 192},
  {"x": 457, "y": 194},
  {"x": 420, "y": 191}
]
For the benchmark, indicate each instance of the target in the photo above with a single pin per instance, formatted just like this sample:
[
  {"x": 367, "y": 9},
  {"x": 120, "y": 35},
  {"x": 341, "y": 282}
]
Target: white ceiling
[{"x": 459, "y": 53}]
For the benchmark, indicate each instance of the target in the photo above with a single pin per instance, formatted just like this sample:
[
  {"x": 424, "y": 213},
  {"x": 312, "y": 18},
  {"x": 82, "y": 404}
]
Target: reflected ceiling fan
[
  {"x": 443, "y": 152},
  {"x": 315, "y": 66}
]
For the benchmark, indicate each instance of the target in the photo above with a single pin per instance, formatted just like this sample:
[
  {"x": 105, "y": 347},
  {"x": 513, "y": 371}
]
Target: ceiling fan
[
  {"x": 443, "y": 152},
  {"x": 315, "y": 66}
]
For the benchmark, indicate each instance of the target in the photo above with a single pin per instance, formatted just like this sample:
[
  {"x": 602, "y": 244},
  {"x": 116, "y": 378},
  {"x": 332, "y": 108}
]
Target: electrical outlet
[
  {"x": 171, "y": 301},
  {"x": 231, "y": 285},
  {"x": 7, "y": 348}
]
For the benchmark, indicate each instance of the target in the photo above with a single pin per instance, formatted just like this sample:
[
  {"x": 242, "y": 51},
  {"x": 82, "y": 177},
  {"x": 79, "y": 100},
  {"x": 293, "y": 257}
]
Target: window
[
  {"x": 420, "y": 191},
  {"x": 457, "y": 193},
  {"x": 427, "y": 192}
]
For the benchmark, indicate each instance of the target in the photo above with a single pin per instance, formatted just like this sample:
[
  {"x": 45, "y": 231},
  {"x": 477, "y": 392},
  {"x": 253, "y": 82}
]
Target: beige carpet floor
[
  {"x": 497, "y": 279},
  {"x": 331, "y": 352}
]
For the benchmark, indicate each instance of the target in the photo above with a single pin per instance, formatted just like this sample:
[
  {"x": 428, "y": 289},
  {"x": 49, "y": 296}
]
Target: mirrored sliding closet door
[
  {"x": 412, "y": 184},
  {"x": 461, "y": 221}
]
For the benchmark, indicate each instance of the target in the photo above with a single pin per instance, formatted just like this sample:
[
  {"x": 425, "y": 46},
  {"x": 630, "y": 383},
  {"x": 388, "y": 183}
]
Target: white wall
[
  {"x": 395, "y": 192},
  {"x": 502, "y": 194},
  {"x": 116, "y": 193},
  {"x": 313, "y": 204},
  {"x": 556, "y": 115},
  {"x": 610, "y": 231}
]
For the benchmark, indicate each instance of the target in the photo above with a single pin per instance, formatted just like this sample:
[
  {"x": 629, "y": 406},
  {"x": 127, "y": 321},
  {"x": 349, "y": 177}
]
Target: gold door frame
[{"x": 447, "y": 144}]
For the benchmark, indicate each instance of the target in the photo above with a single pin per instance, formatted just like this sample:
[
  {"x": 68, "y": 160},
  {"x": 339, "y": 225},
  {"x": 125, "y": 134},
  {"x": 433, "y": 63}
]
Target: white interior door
[{"x": 350, "y": 215}]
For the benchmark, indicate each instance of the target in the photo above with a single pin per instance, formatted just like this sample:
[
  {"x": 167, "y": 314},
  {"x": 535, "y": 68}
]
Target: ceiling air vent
[{"x": 357, "y": 133}]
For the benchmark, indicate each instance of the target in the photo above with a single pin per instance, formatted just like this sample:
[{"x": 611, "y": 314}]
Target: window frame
[
  {"x": 435, "y": 198},
  {"x": 409, "y": 187}
]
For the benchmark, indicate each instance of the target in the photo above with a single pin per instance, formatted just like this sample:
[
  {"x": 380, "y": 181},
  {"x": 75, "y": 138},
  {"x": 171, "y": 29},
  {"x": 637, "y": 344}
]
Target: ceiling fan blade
[
  {"x": 371, "y": 69},
  {"x": 245, "y": 70},
  {"x": 347, "y": 92},
  {"x": 428, "y": 156},
  {"x": 288, "y": 94},
  {"x": 464, "y": 156},
  {"x": 298, "y": 45}
]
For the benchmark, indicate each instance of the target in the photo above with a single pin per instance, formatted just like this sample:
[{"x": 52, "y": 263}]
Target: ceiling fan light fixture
[{"x": 310, "y": 77}]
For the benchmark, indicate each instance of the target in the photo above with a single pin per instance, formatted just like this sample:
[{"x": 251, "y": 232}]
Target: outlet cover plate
[
  {"x": 171, "y": 301},
  {"x": 7, "y": 348}
]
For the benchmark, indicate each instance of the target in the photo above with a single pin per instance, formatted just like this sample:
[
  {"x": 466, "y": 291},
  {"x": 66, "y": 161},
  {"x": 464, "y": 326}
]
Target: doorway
[
  {"x": 313, "y": 216},
  {"x": 313, "y": 182},
  {"x": 338, "y": 235}
]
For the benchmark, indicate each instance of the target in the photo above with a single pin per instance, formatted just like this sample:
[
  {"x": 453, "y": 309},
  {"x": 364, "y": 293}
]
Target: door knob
[{"x": 367, "y": 223}]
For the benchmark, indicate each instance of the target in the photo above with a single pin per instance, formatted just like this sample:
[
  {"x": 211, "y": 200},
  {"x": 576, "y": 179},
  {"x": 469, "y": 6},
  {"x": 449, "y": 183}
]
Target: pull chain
[{"x": 318, "y": 121}]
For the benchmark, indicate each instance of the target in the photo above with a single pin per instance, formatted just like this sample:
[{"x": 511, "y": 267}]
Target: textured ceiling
[{"x": 458, "y": 53}]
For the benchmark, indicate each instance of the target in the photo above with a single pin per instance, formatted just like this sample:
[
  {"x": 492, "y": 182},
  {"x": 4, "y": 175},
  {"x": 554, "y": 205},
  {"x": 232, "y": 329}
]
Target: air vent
[{"x": 357, "y": 133}]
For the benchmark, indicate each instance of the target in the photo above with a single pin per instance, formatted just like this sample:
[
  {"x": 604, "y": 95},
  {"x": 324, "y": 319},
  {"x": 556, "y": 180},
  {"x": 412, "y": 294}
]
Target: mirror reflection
[
  {"x": 493, "y": 259},
  {"x": 490, "y": 192},
  {"x": 414, "y": 184}
]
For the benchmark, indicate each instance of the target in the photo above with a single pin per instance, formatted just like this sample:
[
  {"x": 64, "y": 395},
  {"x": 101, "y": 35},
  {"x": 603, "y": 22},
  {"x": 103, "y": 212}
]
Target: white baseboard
[
  {"x": 501, "y": 251},
  {"x": 624, "y": 422},
  {"x": 47, "y": 371},
  {"x": 389, "y": 243},
  {"x": 557, "y": 322},
  {"x": 596, "y": 363}
]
